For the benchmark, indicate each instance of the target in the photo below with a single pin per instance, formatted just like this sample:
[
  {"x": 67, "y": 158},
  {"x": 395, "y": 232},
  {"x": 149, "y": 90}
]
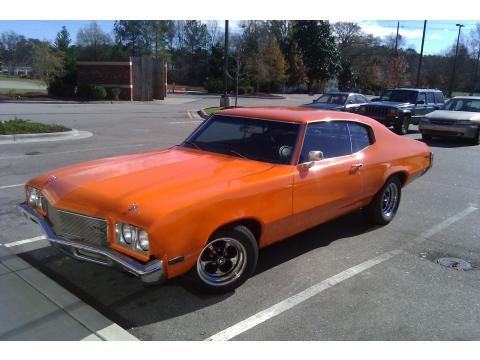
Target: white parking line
[
  {"x": 26, "y": 241},
  {"x": 316, "y": 289},
  {"x": 10, "y": 186},
  {"x": 71, "y": 151},
  {"x": 186, "y": 122}
]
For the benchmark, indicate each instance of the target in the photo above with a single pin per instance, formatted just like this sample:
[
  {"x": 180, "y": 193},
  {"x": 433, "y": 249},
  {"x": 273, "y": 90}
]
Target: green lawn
[
  {"x": 16, "y": 78},
  {"x": 463, "y": 93},
  {"x": 212, "y": 109},
  {"x": 16, "y": 92},
  {"x": 21, "y": 126}
]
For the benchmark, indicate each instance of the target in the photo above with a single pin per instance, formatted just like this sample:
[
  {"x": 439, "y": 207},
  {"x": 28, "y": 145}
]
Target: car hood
[
  {"x": 395, "y": 104},
  {"x": 323, "y": 106},
  {"x": 113, "y": 184},
  {"x": 454, "y": 115}
]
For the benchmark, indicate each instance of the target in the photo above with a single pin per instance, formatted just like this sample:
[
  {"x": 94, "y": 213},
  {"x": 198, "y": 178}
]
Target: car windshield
[
  {"x": 338, "y": 99},
  {"x": 472, "y": 105},
  {"x": 399, "y": 96},
  {"x": 262, "y": 140}
]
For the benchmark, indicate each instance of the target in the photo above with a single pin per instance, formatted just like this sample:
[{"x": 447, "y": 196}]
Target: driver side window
[
  {"x": 331, "y": 138},
  {"x": 422, "y": 97}
]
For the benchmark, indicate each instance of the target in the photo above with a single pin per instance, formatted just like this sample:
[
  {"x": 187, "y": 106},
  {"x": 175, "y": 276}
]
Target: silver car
[{"x": 460, "y": 117}]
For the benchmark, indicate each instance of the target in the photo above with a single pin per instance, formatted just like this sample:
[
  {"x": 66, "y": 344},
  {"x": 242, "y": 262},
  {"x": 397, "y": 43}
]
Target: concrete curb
[
  {"x": 202, "y": 114},
  {"x": 100, "y": 327},
  {"x": 56, "y": 136}
]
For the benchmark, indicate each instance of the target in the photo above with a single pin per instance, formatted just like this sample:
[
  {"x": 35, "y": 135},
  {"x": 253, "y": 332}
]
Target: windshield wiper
[
  {"x": 194, "y": 144},
  {"x": 238, "y": 154}
]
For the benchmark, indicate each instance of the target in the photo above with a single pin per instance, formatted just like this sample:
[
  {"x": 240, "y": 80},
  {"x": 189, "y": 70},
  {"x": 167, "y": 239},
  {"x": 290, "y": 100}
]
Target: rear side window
[
  {"x": 331, "y": 138},
  {"x": 430, "y": 98},
  {"x": 439, "y": 98},
  {"x": 360, "y": 136},
  {"x": 422, "y": 97}
]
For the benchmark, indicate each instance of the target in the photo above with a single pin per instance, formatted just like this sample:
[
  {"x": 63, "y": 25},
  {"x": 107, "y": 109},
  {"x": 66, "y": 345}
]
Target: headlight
[
  {"x": 392, "y": 112},
  {"x": 35, "y": 198},
  {"x": 362, "y": 110},
  {"x": 131, "y": 237}
]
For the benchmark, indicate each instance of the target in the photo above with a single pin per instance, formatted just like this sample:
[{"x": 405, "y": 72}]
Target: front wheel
[
  {"x": 476, "y": 139},
  {"x": 427, "y": 137},
  {"x": 384, "y": 205},
  {"x": 226, "y": 261},
  {"x": 402, "y": 125}
]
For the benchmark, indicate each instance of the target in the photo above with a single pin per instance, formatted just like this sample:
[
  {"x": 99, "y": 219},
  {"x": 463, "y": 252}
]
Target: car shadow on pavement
[
  {"x": 448, "y": 143},
  {"x": 122, "y": 298}
]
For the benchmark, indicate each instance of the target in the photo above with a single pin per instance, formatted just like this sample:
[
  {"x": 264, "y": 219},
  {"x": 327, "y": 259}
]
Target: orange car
[{"x": 244, "y": 179}]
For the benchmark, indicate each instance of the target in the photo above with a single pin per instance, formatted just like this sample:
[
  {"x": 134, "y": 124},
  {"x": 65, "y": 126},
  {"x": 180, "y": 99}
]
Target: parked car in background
[
  {"x": 401, "y": 107},
  {"x": 244, "y": 179},
  {"x": 339, "y": 101},
  {"x": 460, "y": 117}
]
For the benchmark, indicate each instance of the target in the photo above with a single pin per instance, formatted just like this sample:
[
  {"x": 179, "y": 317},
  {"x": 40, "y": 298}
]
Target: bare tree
[{"x": 93, "y": 36}]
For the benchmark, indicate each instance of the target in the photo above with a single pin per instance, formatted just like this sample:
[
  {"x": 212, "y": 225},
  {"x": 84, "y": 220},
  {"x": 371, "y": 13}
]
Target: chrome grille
[
  {"x": 379, "y": 111},
  {"x": 442, "y": 122},
  {"x": 77, "y": 227}
]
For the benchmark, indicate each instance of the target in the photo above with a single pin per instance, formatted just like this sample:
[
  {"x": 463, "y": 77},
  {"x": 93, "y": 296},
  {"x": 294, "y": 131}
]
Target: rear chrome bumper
[{"x": 150, "y": 272}]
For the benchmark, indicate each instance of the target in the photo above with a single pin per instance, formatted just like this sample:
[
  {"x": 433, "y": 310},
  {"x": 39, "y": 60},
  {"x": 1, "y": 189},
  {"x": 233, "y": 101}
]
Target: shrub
[
  {"x": 213, "y": 85},
  {"x": 21, "y": 126},
  {"x": 99, "y": 92},
  {"x": 91, "y": 92},
  {"x": 59, "y": 88},
  {"x": 113, "y": 93},
  {"x": 84, "y": 91}
]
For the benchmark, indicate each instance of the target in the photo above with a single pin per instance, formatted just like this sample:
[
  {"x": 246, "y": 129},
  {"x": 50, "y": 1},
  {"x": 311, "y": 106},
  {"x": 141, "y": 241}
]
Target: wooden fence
[{"x": 149, "y": 78}]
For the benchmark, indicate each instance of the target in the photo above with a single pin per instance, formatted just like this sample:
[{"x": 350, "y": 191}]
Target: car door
[
  {"x": 421, "y": 107},
  {"x": 329, "y": 187}
]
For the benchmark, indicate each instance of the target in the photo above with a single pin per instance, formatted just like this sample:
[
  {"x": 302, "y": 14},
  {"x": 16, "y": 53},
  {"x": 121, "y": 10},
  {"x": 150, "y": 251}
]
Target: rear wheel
[
  {"x": 226, "y": 261},
  {"x": 384, "y": 205}
]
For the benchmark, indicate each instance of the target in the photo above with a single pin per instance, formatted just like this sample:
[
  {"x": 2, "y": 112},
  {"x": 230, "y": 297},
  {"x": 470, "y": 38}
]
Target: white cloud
[
  {"x": 374, "y": 28},
  {"x": 434, "y": 37}
]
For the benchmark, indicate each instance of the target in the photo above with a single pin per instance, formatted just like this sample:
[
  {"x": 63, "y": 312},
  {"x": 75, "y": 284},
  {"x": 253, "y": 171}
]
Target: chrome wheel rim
[
  {"x": 222, "y": 261},
  {"x": 389, "y": 200}
]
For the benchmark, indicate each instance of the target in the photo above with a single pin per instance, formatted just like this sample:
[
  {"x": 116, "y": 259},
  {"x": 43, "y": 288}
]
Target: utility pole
[
  {"x": 452, "y": 77},
  {"x": 421, "y": 54},
  {"x": 396, "y": 38},
  {"x": 476, "y": 72},
  {"x": 226, "y": 99}
]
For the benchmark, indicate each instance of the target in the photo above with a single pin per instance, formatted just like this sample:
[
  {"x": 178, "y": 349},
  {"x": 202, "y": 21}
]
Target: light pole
[
  {"x": 421, "y": 54},
  {"x": 226, "y": 99},
  {"x": 452, "y": 78},
  {"x": 476, "y": 72}
]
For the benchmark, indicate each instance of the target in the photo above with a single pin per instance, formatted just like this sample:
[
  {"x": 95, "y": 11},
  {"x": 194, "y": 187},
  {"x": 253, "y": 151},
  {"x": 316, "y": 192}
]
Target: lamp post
[
  {"x": 476, "y": 72},
  {"x": 452, "y": 77},
  {"x": 226, "y": 98},
  {"x": 421, "y": 55}
]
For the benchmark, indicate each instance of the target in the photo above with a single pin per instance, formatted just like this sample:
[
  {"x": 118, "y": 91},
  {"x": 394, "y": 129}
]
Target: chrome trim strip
[{"x": 150, "y": 272}]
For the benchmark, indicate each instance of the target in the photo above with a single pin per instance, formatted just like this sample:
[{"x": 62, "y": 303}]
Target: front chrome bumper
[
  {"x": 448, "y": 130},
  {"x": 150, "y": 272}
]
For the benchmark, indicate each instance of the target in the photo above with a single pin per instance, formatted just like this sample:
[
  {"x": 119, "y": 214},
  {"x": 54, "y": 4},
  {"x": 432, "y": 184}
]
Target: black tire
[
  {"x": 476, "y": 139},
  {"x": 427, "y": 137},
  {"x": 377, "y": 212},
  {"x": 219, "y": 252},
  {"x": 402, "y": 125}
]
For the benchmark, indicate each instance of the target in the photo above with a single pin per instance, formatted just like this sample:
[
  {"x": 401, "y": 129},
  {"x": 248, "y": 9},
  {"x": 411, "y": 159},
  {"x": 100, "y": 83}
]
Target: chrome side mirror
[{"x": 313, "y": 156}]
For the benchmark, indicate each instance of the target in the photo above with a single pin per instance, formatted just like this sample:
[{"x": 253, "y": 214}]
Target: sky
[{"x": 440, "y": 34}]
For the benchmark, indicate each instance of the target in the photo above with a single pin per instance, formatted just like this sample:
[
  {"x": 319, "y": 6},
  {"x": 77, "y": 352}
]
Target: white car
[{"x": 460, "y": 117}]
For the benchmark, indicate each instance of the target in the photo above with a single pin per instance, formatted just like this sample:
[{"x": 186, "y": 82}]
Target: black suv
[{"x": 401, "y": 107}]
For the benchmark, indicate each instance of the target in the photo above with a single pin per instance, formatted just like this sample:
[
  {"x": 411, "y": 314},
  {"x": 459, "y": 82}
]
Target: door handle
[{"x": 355, "y": 167}]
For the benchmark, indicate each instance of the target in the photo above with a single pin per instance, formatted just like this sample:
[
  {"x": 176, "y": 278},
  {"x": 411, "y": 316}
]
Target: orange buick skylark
[{"x": 244, "y": 179}]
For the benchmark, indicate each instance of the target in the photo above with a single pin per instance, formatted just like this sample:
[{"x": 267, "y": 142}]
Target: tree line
[{"x": 264, "y": 56}]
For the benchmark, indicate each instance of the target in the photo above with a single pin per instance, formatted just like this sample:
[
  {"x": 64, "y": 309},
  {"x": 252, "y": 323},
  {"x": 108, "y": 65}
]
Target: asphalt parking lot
[{"x": 343, "y": 280}]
